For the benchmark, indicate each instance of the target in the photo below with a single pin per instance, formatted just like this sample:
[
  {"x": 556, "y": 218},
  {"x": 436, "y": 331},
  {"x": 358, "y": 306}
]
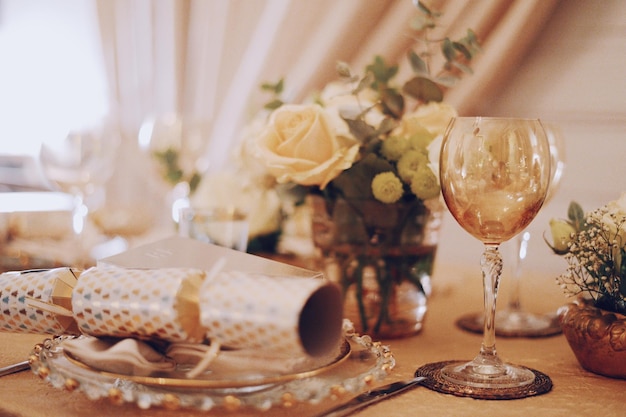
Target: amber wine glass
[
  {"x": 514, "y": 320},
  {"x": 495, "y": 174}
]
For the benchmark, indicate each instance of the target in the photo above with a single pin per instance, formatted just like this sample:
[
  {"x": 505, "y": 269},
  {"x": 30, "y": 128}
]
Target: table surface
[{"x": 456, "y": 291}]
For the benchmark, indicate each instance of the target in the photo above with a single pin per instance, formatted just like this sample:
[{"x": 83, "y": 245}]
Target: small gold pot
[{"x": 597, "y": 337}]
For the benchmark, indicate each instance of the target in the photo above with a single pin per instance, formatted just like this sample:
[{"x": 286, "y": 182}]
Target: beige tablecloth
[{"x": 457, "y": 290}]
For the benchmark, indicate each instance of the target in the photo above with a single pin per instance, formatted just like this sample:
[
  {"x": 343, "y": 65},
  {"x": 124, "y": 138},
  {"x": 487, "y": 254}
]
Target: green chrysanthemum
[
  {"x": 394, "y": 147},
  {"x": 409, "y": 163},
  {"x": 424, "y": 183},
  {"x": 387, "y": 187},
  {"x": 421, "y": 139}
]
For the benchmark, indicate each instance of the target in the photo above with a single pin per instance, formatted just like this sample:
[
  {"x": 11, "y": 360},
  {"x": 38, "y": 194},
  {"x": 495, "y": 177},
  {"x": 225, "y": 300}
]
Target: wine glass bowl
[
  {"x": 498, "y": 183},
  {"x": 79, "y": 164},
  {"x": 494, "y": 175}
]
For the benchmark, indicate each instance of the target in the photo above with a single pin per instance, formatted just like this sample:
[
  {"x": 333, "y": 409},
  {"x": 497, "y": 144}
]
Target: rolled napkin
[
  {"x": 126, "y": 356},
  {"x": 143, "y": 303},
  {"x": 284, "y": 315},
  {"x": 38, "y": 301}
]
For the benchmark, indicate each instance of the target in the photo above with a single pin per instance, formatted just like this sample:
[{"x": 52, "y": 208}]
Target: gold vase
[
  {"x": 382, "y": 257},
  {"x": 597, "y": 337}
]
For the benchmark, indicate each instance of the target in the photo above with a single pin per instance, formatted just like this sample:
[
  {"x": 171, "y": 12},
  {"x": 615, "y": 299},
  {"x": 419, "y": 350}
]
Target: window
[{"x": 52, "y": 76}]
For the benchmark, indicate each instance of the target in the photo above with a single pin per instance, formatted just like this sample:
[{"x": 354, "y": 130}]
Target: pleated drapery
[{"x": 205, "y": 59}]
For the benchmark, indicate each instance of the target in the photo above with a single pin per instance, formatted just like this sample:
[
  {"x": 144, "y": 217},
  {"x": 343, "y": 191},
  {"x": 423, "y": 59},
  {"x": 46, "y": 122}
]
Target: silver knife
[
  {"x": 16, "y": 367},
  {"x": 370, "y": 397}
]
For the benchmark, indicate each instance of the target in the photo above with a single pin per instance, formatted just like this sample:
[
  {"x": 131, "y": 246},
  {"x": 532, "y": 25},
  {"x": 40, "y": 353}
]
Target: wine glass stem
[
  {"x": 79, "y": 216},
  {"x": 521, "y": 246},
  {"x": 491, "y": 263}
]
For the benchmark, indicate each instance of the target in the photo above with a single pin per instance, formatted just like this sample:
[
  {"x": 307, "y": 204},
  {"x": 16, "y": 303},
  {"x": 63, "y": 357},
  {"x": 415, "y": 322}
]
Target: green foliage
[
  {"x": 576, "y": 215},
  {"x": 423, "y": 89},
  {"x": 173, "y": 173},
  {"x": 356, "y": 183},
  {"x": 426, "y": 85},
  {"x": 596, "y": 257},
  {"x": 276, "y": 90}
]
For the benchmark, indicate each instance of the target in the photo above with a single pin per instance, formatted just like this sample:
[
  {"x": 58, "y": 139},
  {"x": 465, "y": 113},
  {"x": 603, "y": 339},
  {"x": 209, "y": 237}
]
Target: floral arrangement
[
  {"x": 594, "y": 246},
  {"x": 367, "y": 136},
  {"x": 368, "y": 145}
]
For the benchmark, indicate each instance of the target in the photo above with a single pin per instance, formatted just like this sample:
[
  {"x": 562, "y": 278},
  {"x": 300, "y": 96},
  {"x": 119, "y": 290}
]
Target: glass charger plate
[
  {"x": 230, "y": 370},
  {"x": 365, "y": 363}
]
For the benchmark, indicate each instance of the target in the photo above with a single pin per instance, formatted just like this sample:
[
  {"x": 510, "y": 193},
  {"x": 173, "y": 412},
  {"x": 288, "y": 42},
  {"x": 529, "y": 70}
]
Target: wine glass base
[
  {"x": 509, "y": 323},
  {"x": 436, "y": 381}
]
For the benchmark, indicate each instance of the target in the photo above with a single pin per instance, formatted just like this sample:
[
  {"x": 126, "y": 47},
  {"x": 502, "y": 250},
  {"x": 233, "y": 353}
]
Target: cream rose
[
  {"x": 234, "y": 190},
  {"x": 433, "y": 116},
  {"x": 306, "y": 145}
]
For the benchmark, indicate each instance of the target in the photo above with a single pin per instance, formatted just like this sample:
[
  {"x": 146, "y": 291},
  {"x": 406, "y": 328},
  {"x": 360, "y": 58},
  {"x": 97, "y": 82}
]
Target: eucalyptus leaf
[
  {"x": 276, "y": 88},
  {"x": 361, "y": 130},
  {"x": 576, "y": 215},
  {"x": 447, "y": 48},
  {"x": 447, "y": 81},
  {"x": 418, "y": 64},
  {"x": 382, "y": 73},
  {"x": 462, "y": 49},
  {"x": 471, "y": 40},
  {"x": 466, "y": 69},
  {"x": 420, "y": 23},
  {"x": 422, "y": 8},
  {"x": 274, "y": 104},
  {"x": 393, "y": 102},
  {"x": 423, "y": 89},
  {"x": 194, "y": 181},
  {"x": 386, "y": 126},
  {"x": 363, "y": 84}
]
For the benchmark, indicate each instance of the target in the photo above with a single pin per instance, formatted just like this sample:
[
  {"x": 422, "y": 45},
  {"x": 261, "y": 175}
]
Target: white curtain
[{"x": 205, "y": 59}]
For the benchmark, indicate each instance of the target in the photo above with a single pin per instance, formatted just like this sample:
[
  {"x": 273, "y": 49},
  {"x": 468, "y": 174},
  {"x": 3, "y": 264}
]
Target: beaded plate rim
[{"x": 368, "y": 362}]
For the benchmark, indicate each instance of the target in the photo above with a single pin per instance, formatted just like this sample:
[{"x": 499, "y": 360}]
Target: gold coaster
[
  {"x": 435, "y": 381},
  {"x": 474, "y": 323}
]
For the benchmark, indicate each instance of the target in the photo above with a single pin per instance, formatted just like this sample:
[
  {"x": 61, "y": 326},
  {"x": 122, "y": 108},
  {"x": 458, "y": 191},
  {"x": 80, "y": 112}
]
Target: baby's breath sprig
[{"x": 596, "y": 255}]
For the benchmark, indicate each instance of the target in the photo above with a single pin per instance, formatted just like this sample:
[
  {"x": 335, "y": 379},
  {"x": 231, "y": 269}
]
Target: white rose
[
  {"x": 433, "y": 116},
  {"x": 226, "y": 189},
  {"x": 307, "y": 145}
]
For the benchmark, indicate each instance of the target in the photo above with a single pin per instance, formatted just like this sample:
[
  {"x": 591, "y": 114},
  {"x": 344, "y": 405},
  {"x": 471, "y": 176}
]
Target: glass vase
[{"x": 382, "y": 256}]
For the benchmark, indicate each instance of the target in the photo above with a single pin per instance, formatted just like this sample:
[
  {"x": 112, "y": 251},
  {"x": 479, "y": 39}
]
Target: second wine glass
[
  {"x": 79, "y": 165},
  {"x": 494, "y": 176}
]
